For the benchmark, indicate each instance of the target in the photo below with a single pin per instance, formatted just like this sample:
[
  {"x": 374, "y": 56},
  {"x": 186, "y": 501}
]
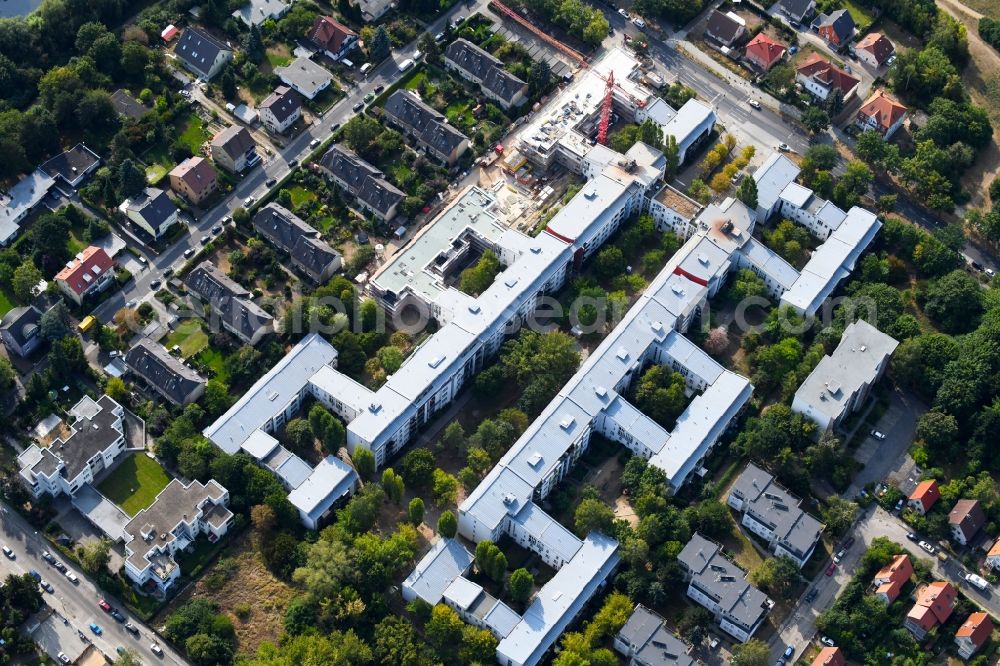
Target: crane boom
[{"x": 609, "y": 91}]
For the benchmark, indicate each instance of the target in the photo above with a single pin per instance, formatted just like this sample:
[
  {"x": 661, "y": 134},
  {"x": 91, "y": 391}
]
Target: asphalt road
[
  {"x": 77, "y": 603},
  {"x": 275, "y": 166}
]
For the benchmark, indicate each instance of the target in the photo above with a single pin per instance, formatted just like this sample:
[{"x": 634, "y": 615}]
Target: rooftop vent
[
  {"x": 272, "y": 396},
  {"x": 510, "y": 282},
  {"x": 535, "y": 249},
  {"x": 436, "y": 361},
  {"x": 375, "y": 407},
  {"x": 622, "y": 353},
  {"x": 567, "y": 422},
  {"x": 474, "y": 308},
  {"x": 508, "y": 499},
  {"x": 535, "y": 459},
  {"x": 600, "y": 391},
  {"x": 657, "y": 327},
  {"x": 703, "y": 259},
  {"x": 677, "y": 289}
]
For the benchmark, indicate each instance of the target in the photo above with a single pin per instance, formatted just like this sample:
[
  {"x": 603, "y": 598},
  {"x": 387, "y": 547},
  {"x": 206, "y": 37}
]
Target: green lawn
[
  {"x": 75, "y": 242},
  {"x": 301, "y": 195},
  {"x": 6, "y": 302},
  {"x": 135, "y": 483},
  {"x": 191, "y": 132},
  {"x": 860, "y": 15},
  {"x": 278, "y": 59},
  {"x": 214, "y": 359},
  {"x": 416, "y": 80},
  {"x": 189, "y": 336}
]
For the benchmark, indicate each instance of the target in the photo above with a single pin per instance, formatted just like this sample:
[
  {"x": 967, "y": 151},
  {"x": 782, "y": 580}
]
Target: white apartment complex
[
  {"x": 170, "y": 524},
  {"x": 96, "y": 440}
]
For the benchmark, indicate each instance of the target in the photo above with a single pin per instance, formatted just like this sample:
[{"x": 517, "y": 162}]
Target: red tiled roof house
[
  {"x": 764, "y": 52},
  {"x": 874, "y": 49},
  {"x": 966, "y": 519},
  {"x": 935, "y": 602},
  {"x": 892, "y": 577},
  {"x": 924, "y": 496},
  {"x": 881, "y": 112},
  {"x": 993, "y": 556},
  {"x": 87, "y": 273},
  {"x": 333, "y": 37},
  {"x": 973, "y": 634},
  {"x": 829, "y": 656},
  {"x": 820, "y": 78}
]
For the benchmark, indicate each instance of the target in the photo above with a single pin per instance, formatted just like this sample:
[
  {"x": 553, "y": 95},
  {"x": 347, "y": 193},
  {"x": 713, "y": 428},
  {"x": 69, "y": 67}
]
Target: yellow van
[{"x": 87, "y": 323}]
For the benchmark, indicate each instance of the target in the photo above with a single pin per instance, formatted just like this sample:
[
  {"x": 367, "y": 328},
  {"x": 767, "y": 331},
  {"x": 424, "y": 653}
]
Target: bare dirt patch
[{"x": 253, "y": 586}]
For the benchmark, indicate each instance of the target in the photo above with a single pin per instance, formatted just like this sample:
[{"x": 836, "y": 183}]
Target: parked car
[
  {"x": 72, "y": 577},
  {"x": 754, "y": 103},
  {"x": 926, "y": 546},
  {"x": 46, "y": 585},
  {"x": 978, "y": 582},
  {"x": 811, "y": 595},
  {"x": 826, "y": 640},
  {"x": 379, "y": 88},
  {"x": 155, "y": 284},
  {"x": 784, "y": 147},
  {"x": 878, "y": 435},
  {"x": 34, "y": 574},
  {"x": 105, "y": 606},
  {"x": 63, "y": 658},
  {"x": 830, "y": 569},
  {"x": 60, "y": 567},
  {"x": 156, "y": 649},
  {"x": 9, "y": 553},
  {"x": 217, "y": 229},
  {"x": 314, "y": 143},
  {"x": 899, "y": 504},
  {"x": 115, "y": 613},
  {"x": 131, "y": 628},
  {"x": 293, "y": 162},
  {"x": 840, "y": 555},
  {"x": 249, "y": 201},
  {"x": 96, "y": 628},
  {"x": 789, "y": 652},
  {"x": 188, "y": 252},
  {"x": 439, "y": 37},
  {"x": 47, "y": 556},
  {"x": 912, "y": 536},
  {"x": 204, "y": 240},
  {"x": 357, "y": 107},
  {"x": 624, "y": 14},
  {"x": 270, "y": 182}
]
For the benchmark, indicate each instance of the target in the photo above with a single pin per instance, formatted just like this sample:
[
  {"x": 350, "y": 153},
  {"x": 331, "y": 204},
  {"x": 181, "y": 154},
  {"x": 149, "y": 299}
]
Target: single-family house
[
  {"x": 234, "y": 149},
  {"x": 202, "y": 53},
  {"x": 477, "y": 65},
  {"x": 153, "y": 211},
  {"x": 924, "y": 496},
  {"x": 797, "y": 11},
  {"x": 373, "y": 10},
  {"x": 72, "y": 166},
  {"x": 836, "y": 28},
  {"x": 20, "y": 330},
  {"x": 280, "y": 109},
  {"x": 89, "y": 272},
  {"x": 965, "y": 519},
  {"x": 165, "y": 374},
  {"x": 973, "y": 634},
  {"x": 874, "y": 49},
  {"x": 127, "y": 106},
  {"x": 934, "y": 604},
  {"x": 332, "y": 37},
  {"x": 830, "y": 656},
  {"x": 305, "y": 77},
  {"x": 428, "y": 127},
  {"x": 725, "y": 29},
  {"x": 891, "y": 578},
  {"x": 820, "y": 78},
  {"x": 20, "y": 200},
  {"x": 882, "y": 113},
  {"x": 255, "y": 12},
  {"x": 993, "y": 556},
  {"x": 194, "y": 179},
  {"x": 764, "y": 52}
]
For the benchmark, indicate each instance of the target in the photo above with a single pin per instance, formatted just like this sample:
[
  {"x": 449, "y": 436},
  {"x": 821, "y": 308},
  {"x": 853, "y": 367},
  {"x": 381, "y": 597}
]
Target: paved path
[{"x": 77, "y": 603}]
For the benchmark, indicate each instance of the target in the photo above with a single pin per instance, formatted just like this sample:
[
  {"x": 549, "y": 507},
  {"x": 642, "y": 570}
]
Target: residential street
[{"x": 76, "y": 603}]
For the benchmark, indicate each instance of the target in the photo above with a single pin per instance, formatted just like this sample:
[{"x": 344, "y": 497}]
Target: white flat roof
[
  {"x": 463, "y": 592},
  {"x": 772, "y": 177},
  {"x": 796, "y": 194},
  {"x": 447, "y": 560},
  {"x": 331, "y": 479},
  {"x": 259, "y": 444}
]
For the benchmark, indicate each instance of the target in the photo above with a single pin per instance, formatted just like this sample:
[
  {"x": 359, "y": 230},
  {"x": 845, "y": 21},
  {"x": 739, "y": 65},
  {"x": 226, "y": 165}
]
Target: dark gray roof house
[
  {"x": 797, "y": 10},
  {"x": 362, "y": 180},
  {"x": 302, "y": 243},
  {"x": 647, "y": 642},
  {"x": 202, "y": 53},
  {"x": 430, "y": 128},
  {"x": 230, "y": 302},
  {"x": 725, "y": 29},
  {"x": 20, "y": 330},
  {"x": 479, "y": 66},
  {"x": 128, "y": 106},
  {"x": 165, "y": 374},
  {"x": 279, "y": 108},
  {"x": 73, "y": 165}
]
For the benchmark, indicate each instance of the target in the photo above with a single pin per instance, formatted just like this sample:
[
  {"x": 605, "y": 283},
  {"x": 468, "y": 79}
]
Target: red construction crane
[
  {"x": 609, "y": 92},
  {"x": 572, "y": 53}
]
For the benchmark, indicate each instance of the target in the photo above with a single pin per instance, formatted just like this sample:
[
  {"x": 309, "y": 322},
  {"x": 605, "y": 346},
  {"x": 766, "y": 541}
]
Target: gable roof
[
  {"x": 168, "y": 374},
  {"x": 428, "y": 125},
  {"x": 85, "y": 269},
  {"x": 288, "y": 231},
  {"x": 765, "y": 49},
  {"x": 878, "y": 45},
  {"x": 839, "y": 22},
  {"x": 823, "y": 71},
  {"x": 199, "y": 50},
  {"x": 363, "y": 180},
  {"x": 977, "y": 628},
  {"x": 283, "y": 103},
  {"x": 829, "y": 656},
  {"x": 723, "y": 27},
  {"x": 230, "y": 299},
  {"x": 71, "y": 164},
  {"x": 653, "y": 643},
  {"x": 899, "y": 570},
  {"x": 329, "y": 34},
  {"x": 796, "y": 8},
  {"x": 883, "y": 108},
  {"x": 485, "y": 67},
  {"x": 939, "y": 597},
  {"x": 926, "y": 493},
  {"x": 234, "y": 141},
  {"x": 196, "y": 171},
  {"x": 968, "y": 516}
]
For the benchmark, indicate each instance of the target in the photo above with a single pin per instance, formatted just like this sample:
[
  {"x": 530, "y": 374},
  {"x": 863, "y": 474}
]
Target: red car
[
  {"x": 830, "y": 569},
  {"x": 105, "y": 606}
]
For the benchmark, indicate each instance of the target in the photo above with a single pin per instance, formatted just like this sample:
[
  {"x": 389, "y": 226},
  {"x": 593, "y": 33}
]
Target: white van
[
  {"x": 639, "y": 23},
  {"x": 406, "y": 64},
  {"x": 977, "y": 581},
  {"x": 365, "y": 68}
]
